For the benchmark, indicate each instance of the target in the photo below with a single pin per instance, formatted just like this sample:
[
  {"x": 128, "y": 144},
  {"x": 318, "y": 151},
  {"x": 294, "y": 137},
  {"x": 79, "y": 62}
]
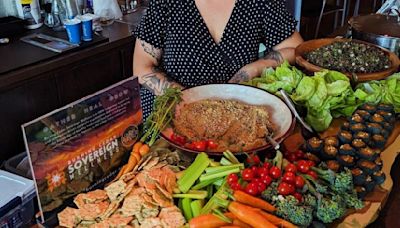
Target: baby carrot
[
  {"x": 206, "y": 221},
  {"x": 249, "y": 215},
  {"x": 240, "y": 223},
  {"x": 131, "y": 164},
  {"x": 144, "y": 149},
  {"x": 250, "y": 200},
  {"x": 120, "y": 173},
  {"x": 276, "y": 220},
  {"x": 136, "y": 147}
]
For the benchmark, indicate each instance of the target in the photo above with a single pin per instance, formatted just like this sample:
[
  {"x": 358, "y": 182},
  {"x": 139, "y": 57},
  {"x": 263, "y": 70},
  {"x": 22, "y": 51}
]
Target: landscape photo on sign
[{"x": 80, "y": 147}]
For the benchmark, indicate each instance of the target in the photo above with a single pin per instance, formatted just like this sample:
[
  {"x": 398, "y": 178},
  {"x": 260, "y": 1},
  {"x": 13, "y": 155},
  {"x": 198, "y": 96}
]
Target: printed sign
[{"x": 82, "y": 145}]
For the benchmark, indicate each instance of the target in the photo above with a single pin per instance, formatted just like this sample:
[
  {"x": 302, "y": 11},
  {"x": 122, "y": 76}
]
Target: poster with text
[{"x": 81, "y": 146}]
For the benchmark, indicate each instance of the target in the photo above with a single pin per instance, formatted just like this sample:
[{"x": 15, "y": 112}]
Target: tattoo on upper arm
[
  {"x": 275, "y": 55},
  {"x": 240, "y": 76},
  {"x": 156, "y": 83},
  {"x": 151, "y": 50}
]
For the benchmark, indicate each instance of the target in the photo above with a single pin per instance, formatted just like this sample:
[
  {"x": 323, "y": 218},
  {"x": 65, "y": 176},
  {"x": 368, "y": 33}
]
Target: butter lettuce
[{"x": 284, "y": 77}]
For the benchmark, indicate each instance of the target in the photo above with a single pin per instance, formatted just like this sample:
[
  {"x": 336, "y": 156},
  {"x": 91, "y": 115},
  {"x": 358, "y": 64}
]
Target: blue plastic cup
[
  {"x": 73, "y": 27},
  {"x": 87, "y": 31}
]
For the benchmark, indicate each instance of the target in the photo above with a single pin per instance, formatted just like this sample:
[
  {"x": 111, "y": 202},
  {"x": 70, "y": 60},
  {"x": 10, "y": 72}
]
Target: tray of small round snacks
[
  {"x": 367, "y": 143},
  {"x": 358, "y": 145}
]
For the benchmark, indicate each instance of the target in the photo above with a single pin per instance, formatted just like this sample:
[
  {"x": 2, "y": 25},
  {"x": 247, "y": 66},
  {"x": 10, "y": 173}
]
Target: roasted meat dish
[{"x": 234, "y": 125}]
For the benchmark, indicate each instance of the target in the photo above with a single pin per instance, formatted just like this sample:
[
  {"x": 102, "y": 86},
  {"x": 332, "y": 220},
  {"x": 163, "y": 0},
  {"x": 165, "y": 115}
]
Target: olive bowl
[{"x": 311, "y": 45}]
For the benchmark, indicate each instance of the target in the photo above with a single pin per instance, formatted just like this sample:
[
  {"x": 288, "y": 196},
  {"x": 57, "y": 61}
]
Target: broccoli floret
[
  {"x": 325, "y": 174},
  {"x": 351, "y": 200},
  {"x": 343, "y": 181},
  {"x": 314, "y": 186},
  {"x": 310, "y": 200},
  {"x": 289, "y": 209},
  {"x": 269, "y": 193},
  {"x": 330, "y": 209}
]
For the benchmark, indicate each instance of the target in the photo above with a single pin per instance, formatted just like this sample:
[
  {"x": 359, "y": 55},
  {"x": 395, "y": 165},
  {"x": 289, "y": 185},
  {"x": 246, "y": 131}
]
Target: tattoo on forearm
[
  {"x": 151, "y": 50},
  {"x": 157, "y": 81},
  {"x": 240, "y": 76},
  {"x": 275, "y": 55}
]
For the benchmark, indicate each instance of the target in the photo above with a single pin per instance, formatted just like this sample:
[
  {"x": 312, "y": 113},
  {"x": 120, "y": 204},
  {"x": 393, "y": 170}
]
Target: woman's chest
[{"x": 188, "y": 35}]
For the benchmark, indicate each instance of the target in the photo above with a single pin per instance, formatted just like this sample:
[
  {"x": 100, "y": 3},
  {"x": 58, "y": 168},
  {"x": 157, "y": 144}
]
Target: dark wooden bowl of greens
[{"x": 359, "y": 60}]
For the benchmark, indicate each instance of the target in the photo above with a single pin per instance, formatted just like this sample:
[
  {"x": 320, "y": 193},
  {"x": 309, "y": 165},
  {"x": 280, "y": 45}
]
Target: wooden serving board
[{"x": 376, "y": 199}]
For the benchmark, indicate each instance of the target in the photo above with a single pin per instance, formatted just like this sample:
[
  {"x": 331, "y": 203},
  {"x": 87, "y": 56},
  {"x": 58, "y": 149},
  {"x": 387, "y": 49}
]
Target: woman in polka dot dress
[{"x": 186, "y": 43}]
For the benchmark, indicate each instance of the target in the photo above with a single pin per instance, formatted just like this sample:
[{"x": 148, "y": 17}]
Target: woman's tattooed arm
[{"x": 156, "y": 80}]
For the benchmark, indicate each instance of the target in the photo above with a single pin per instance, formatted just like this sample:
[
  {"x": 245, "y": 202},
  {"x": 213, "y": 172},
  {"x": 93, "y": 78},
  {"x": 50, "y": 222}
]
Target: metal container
[{"x": 382, "y": 30}]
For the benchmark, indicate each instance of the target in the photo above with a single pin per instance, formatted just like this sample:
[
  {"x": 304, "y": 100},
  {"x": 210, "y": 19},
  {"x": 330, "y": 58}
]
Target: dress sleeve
[
  {"x": 152, "y": 27},
  {"x": 278, "y": 23}
]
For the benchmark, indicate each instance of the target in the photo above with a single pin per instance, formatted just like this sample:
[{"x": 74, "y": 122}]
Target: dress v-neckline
[{"x": 225, "y": 28}]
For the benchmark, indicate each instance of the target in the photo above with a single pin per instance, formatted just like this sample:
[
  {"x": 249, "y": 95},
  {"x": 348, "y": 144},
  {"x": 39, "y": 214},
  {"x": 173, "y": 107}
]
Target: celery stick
[
  {"x": 214, "y": 163},
  {"x": 205, "y": 177},
  {"x": 211, "y": 205},
  {"x": 180, "y": 204},
  {"x": 196, "y": 206},
  {"x": 203, "y": 184},
  {"x": 218, "y": 169},
  {"x": 231, "y": 157},
  {"x": 187, "y": 209},
  {"x": 221, "y": 216},
  {"x": 210, "y": 191},
  {"x": 225, "y": 161},
  {"x": 192, "y": 194},
  {"x": 218, "y": 182},
  {"x": 193, "y": 172}
]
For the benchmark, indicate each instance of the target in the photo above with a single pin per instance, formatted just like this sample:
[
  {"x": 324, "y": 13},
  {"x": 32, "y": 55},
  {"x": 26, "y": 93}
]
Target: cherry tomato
[
  {"x": 289, "y": 177},
  {"x": 199, "y": 145},
  {"x": 211, "y": 144},
  {"x": 292, "y": 188},
  {"x": 247, "y": 174},
  {"x": 291, "y": 168},
  {"x": 261, "y": 187},
  {"x": 253, "y": 159},
  {"x": 232, "y": 178},
  {"x": 267, "y": 165},
  {"x": 178, "y": 139},
  {"x": 236, "y": 186},
  {"x": 291, "y": 157},
  {"x": 310, "y": 163},
  {"x": 313, "y": 174},
  {"x": 284, "y": 189},
  {"x": 190, "y": 146},
  {"x": 302, "y": 166},
  {"x": 299, "y": 182},
  {"x": 298, "y": 196},
  {"x": 252, "y": 189},
  {"x": 275, "y": 172},
  {"x": 262, "y": 171},
  {"x": 254, "y": 169},
  {"x": 267, "y": 180},
  {"x": 299, "y": 154}
]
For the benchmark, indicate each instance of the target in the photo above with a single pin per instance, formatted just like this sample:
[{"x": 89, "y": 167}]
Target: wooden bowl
[{"x": 311, "y": 45}]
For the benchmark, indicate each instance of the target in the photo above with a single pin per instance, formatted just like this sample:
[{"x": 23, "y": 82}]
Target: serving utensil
[{"x": 310, "y": 131}]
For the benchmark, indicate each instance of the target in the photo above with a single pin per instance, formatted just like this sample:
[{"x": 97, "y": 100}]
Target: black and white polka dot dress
[{"x": 191, "y": 57}]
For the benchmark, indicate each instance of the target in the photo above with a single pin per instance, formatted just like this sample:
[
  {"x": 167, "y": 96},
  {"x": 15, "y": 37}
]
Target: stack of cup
[{"x": 79, "y": 28}]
